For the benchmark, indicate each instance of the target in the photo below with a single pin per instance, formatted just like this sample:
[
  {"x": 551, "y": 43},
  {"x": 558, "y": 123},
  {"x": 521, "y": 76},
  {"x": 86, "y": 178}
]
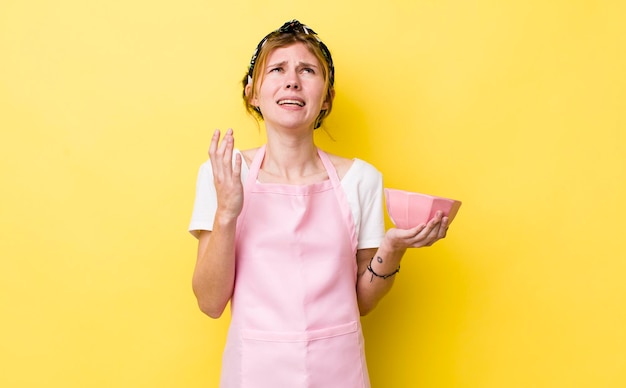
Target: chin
[{"x": 291, "y": 124}]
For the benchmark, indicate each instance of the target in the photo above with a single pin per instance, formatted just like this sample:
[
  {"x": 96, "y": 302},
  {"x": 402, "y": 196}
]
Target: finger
[
  {"x": 214, "y": 155},
  {"x": 237, "y": 167},
  {"x": 432, "y": 225},
  {"x": 434, "y": 235},
  {"x": 229, "y": 144},
  {"x": 438, "y": 232},
  {"x": 414, "y": 231},
  {"x": 214, "y": 141},
  {"x": 428, "y": 233},
  {"x": 226, "y": 152},
  {"x": 438, "y": 216},
  {"x": 428, "y": 239},
  {"x": 222, "y": 145},
  {"x": 443, "y": 230}
]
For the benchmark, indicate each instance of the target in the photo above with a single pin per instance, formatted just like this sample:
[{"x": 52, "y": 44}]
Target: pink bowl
[{"x": 407, "y": 209}]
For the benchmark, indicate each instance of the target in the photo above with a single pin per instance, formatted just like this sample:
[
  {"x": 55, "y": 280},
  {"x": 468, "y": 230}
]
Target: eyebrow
[{"x": 300, "y": 64}]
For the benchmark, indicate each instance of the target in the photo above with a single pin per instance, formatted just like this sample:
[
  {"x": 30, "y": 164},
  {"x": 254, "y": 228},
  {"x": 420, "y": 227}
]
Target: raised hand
[{"x": 226, "y": 176}]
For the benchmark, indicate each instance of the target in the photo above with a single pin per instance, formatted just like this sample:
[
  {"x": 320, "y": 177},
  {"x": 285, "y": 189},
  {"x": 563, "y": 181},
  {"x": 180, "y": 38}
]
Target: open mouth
[{"x": 291, "y": 102}]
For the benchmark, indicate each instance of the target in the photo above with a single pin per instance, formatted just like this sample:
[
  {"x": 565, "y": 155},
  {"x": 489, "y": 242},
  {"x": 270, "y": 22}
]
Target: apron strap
[
  {"x": 253, "y": 171},
  {"x": 341, "y": 197},
  {"x": 255, "y": 167},
  {"x": 330, "y": 168}
]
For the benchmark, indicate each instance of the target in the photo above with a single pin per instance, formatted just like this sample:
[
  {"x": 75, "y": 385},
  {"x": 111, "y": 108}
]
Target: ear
[
  {"x": 253, "y": 101},
  {"x": 329, "y": 98}
]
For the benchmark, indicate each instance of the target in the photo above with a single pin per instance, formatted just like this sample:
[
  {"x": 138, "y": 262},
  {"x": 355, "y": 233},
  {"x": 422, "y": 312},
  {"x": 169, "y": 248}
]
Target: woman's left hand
[
  {"x": 388, "y": 257},
  {"x": 423, "y": 235}
]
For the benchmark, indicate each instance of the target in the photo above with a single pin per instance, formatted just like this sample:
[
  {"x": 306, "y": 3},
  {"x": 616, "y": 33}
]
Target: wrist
[
  {"x": 224, "y": 219},
  {"x": 375, "y": 268},
  {"x": 391, "y": 247}
]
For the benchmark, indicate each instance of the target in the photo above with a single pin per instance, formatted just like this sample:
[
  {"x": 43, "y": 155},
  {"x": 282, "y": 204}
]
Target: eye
[
  {"x": 308, "y": 70},
  {"x": 277, "y": 69}
]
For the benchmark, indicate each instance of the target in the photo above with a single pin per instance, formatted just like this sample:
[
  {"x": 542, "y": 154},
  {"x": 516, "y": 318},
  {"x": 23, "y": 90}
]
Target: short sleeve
[
  {"x": 363, "y": 185},
  {"x": 205, "y": 203}
]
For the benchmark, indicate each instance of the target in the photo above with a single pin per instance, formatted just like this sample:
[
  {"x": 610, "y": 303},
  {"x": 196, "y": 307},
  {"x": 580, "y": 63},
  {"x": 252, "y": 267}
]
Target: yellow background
[{"x": 516, "y": 108}]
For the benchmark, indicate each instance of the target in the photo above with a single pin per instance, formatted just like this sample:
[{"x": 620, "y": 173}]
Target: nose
[{"x": 291, "y": 81}]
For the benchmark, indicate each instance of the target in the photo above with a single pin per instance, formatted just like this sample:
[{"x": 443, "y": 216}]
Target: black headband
[{"x": 293, "y": 27}]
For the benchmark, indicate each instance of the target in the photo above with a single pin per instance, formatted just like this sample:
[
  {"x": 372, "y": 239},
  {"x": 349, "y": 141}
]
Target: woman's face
[{"x": 291, "y": 94}]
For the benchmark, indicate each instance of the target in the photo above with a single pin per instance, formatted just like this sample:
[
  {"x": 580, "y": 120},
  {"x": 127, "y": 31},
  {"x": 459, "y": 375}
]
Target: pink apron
[{"x": 295, "y": 319}]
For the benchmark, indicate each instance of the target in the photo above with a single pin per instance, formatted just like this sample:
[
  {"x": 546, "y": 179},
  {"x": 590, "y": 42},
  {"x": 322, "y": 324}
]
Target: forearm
[
  {"x": 374, "y": 284},
  {"x": 214, "y": 274}
]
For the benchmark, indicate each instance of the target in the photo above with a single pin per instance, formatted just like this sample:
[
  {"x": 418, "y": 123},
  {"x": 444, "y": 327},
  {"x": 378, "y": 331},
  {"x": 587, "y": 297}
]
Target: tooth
[{"x": 283, "y": 102}]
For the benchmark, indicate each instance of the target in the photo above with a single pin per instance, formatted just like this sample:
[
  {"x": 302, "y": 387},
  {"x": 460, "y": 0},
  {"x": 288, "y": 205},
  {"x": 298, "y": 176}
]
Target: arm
[
  {"x": 386, "y": 259},
  {"x": 214, "y": 273}
]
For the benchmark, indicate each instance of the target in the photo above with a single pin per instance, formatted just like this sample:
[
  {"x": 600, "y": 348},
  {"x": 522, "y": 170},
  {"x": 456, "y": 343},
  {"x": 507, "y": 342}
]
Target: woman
[{"x": 293, "y": 237}]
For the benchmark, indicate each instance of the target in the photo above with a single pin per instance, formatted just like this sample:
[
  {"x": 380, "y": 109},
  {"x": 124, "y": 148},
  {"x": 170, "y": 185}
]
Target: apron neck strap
[
  {"x": 330, "y": 168},
  {"x": 253, "y": 173}
]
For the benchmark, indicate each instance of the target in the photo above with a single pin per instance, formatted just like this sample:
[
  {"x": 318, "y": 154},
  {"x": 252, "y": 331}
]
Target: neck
[{"x": 291, "y": 158}]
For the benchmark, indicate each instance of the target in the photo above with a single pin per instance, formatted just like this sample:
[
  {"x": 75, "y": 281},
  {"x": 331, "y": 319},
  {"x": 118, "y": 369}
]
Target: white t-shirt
[{"x": 362, "y": 183}]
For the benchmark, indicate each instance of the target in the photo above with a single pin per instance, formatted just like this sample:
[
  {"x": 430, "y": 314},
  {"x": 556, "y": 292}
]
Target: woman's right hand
[{"x": 226, "y": 176}]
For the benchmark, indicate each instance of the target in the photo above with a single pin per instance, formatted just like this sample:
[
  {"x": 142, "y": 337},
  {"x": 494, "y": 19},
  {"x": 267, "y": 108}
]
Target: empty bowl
[{"x": 408, "y": 209}]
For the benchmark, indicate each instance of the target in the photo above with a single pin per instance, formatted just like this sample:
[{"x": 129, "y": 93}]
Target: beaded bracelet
[{"x": 369, "y": 268}]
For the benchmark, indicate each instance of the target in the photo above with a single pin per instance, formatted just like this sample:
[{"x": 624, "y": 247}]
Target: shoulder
[
  {"x": 248, "y": 155},
  {"x": 354, "y": 168},
  {"x": 364, "y": 173},
  {"x": 365, "y": 168},
  {"x": 364, "y": 180},
  {"x": 341, "y": 164}
]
